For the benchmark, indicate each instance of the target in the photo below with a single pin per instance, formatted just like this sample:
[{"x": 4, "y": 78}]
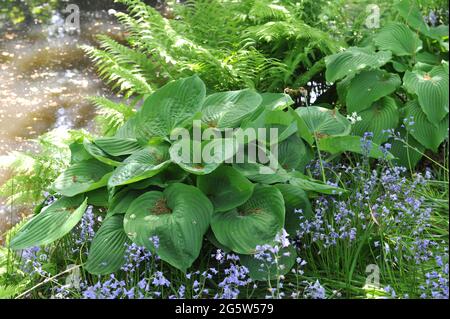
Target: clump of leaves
[
  {"x": 148, "y": 193},
  {"x": 33, "y": 171},
  {"x": 402, "y": 73},
  {"x": 265, "y": 45}
]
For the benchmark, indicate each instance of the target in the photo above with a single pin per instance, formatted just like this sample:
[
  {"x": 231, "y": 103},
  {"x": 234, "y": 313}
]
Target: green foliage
[
  {"x": 51, "y": 223},
  {"x": 17, "y": 12},
  {"x": 149, "y": 193},
  {"x": 33, "y": 172},
  {"x": 401, "y": 73},
  {"x": 264, "y": 45}
]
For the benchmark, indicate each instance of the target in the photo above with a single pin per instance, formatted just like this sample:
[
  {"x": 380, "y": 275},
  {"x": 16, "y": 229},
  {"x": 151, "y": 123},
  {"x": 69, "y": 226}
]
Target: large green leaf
[
  {"x": 294, "y": 198},
  {"x": 202, "y": 157},
  {"x": 428, "y": 134},
  {"x": 107, "y": 251},
  {"x": 228, "y": 109},
  {"x": 99, "y": 154},
  {"x": 432, "y": 91},
  {"x": 276, "y": 101},
  {"x": 263, "y": 270},
  {"x": 284, "y": 122},
  {"x": 171, "y": 174},
  {"x": 382, "y": 115},
  {"x": 353, "y": 60},
  {"x": 340, "y": 144},
  {"x": 170, "y": 107},
  {"x": 291, "y": 152},
  {"x": 399, "y": 39},
  {"x": 121, "y": 201},
  {"x": 179, "y": 217},
  {"x": 410, "y": 11},
  {"x": 324, "y": 122},
  {"x": 78, "y": 153},
  {"x": 118, "y": 146},
  {"x": 98, "y": 197},
  {"x": 268, "y": 173},
  {"x": 308, "y": 184},
  {"x": 226, "y": 188},
  {"x": 52, "y": 223},
  {"x": 368, "y": 87},
  {"x": 254, "y": 223},
  {"x": 141, "y": 165},
  {"x": 302, "y": 129},
  {"x": 82, "y": 177},
  {"x": 263, "y": 174}
]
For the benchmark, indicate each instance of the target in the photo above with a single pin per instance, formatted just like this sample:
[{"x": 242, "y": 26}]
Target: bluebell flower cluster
[
  {"x": 135, "y": 256},
  {"x": 436, "y": 281},
  {"x": 314, "y": 291},
  {"x": 84, "y": 232},
  {"x": 235, "y": 276},
  {"x": 33, "y": 260}
]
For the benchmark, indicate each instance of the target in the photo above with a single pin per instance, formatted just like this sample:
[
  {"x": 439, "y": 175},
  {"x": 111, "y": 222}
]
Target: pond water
[{"x": 44, "y": 80}]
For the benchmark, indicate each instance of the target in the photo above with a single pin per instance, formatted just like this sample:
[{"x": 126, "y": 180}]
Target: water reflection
[{"x": 44, "y": 80}]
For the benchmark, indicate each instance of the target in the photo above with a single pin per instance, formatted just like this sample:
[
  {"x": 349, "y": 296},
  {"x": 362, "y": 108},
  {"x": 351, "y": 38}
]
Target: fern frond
[{"x": 111, "y": 115}]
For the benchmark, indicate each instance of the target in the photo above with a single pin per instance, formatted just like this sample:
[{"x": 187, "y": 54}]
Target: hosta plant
[
  {"x": 399, "y": 81},
  {"x": 154, "y": 199}
]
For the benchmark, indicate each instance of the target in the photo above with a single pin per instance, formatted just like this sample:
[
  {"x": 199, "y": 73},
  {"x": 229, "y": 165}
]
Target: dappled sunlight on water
[{"x": 44, "y": 82}]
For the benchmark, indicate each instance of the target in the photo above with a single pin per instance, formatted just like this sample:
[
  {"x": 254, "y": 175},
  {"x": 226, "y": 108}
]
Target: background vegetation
[{"x": 392, "y": 217}]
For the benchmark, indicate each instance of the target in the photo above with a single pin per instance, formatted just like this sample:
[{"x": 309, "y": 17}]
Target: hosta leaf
[
  {"x": 263, "y": 174},
  {"x": 82, "y": 177},
  {"x": 306, "y": 159},
  {"x": 353, "y": 60},
  {"x": 276, "y": 101},
  {"x": 284, "y": 122},
  {"x": 121, "y": 201},
  {"x": 432, "y": 91},
  {"x": 179, "y": 217},
  {"x": 428, "y": 58},
  {"x": 107, "y": 251},
  {"x": 340, "y": 144},
  {"x": 428, "y": 134},
  {"x": 226, "y": 188},
  {"x": 98, "y": 197},
  {"x": 324, "y": 122},
  {"x": 254, "y": 223},
  {"x": 382, "y": 115},
  {"x": 118, "y": 146},
  {"x": 98, "y": 153},
  {"x": 172, "y": 106},
  {"x": 342, "y": 88},
  {"x": 368, "y": 87},
  {"x": 202, "y": 157},
  {"x": 141, "y": 165},
  {"x": 294, "y": 198},
  {"x": 423, "y": 67},
  {"x": 78, "y": 153},
  {"x": 228, "y": 109},
  {"x": 410, "y": 11},
  {"x": 399, "y": 39},
  {"x": 399, "y": 66},
  {"x": 52, "y": 223},
  {"x": 268, "y": 173},
  {"x": 290, "y": 152},
  {"x": 262, "y": 270},
  {"x": 302, "y": 129},
  {"x": 171, "y": 174},
  {"x": 308, "y": 184}
]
